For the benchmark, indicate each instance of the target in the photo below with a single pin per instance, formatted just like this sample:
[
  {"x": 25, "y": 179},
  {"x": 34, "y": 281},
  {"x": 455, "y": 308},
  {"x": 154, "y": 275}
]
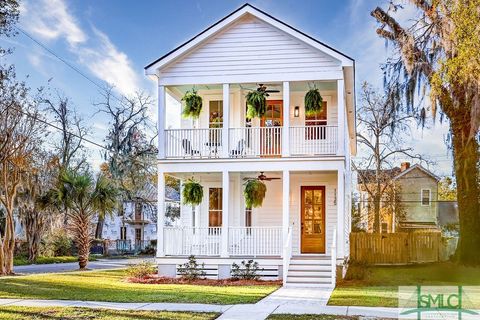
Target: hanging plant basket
[
  {"x": 254, "y": 193},
  {"x": 193, "y": 104},
  {"x": 192, "y": 192},
  {"x": 256, "y": 103},
  {"x": 313, "y": 102}
]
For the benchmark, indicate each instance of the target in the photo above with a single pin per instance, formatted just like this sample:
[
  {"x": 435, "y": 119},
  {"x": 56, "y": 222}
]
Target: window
[
  {"x": 426, "y": 197},
  {"x": 138, "y": 211},
  {"x": 215, "y": 207},
  {"x": 216, "y": 114},
  {"x": 313, "y": 131},
  {"x": 138, "y": 234},
  {"x": 248, "y": 220},
  {"x": 123, "y": 233}
]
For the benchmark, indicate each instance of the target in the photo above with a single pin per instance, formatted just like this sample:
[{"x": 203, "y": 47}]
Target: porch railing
[
  {"x": 313, "y": 140},
  {"x": 255, "y": 241},
  {"x": 185, "y": 241},
  {"x": 193, "y": 143},
  {"x": 255, "y": 141},
  {"x": 242, "y": 241}
]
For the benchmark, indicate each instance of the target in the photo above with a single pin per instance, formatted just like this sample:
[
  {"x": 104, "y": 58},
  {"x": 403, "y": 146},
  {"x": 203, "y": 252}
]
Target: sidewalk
[{"x": 281, "y": 301}]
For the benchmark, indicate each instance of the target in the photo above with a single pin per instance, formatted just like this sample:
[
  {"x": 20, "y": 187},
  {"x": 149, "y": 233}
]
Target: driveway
[{"x": 100, "y": 264}]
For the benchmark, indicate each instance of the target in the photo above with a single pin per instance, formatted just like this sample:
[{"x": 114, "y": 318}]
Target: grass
[
  {"x": 109, "y": 285},
  {"x": 22, "y": 261},
  {"x": 29, "y": 313},
  {"x": 379, "y": 287}
]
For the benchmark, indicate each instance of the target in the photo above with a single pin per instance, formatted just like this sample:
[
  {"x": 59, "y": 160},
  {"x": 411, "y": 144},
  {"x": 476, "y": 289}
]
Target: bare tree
[
  {"x": 130, "y": 157},
  {"x": 69, "y": 146},
  {"x": 380, "y": 131},
  {"x": 21, "y": 134}
]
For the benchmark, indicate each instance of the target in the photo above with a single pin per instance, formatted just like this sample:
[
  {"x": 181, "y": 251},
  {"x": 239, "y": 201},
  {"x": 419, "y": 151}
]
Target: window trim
[{"x": 429, "y": 197}]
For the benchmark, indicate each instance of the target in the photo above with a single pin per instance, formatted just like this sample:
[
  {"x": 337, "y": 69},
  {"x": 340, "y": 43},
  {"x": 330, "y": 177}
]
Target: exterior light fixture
[{"x": 296, "y": 112}]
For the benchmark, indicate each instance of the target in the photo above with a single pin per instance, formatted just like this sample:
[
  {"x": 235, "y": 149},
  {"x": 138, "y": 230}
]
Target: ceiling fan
[
  {"x": 262, "y": 177},
  {"x": 263, "y": 87}
]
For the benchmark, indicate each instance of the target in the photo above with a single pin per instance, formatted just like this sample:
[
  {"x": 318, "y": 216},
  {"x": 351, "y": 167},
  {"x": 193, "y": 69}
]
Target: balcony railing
[
  {"x": 255, "y": 142},
  {"x": 313, "y": 140},
  {"x": 242, "y": 241},
  {"x": 250, "y": 142},
  {"x": 193, "y": 143}
]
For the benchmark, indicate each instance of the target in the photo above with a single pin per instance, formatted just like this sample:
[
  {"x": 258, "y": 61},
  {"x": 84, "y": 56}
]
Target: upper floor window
[
  {"x": 426, "y": 197},
  {"x": 215, "y": 207},
  {"x": 314, "y": 124},
  {"x": 215, "y": 114},
  {"x": 138, "y": 210}
]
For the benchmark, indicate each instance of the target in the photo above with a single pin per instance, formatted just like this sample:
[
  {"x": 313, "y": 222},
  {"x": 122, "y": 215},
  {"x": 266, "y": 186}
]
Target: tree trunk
[
  {"x": 9, "y": 240},
  {"x": 376, "y": 214},
  {"x": 34, "y": 227},
  {"x": 83, "y": 231},
  {"x": 466, "y": 155}
]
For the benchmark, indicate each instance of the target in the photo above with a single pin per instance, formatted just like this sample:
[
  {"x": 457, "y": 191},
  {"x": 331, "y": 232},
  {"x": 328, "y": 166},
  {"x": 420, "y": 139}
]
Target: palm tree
[{"x": 84, "y": 197}]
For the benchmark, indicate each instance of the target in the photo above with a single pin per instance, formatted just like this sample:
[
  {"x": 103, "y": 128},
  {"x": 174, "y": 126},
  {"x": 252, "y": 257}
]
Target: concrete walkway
[{"x": 286, "y": 300}]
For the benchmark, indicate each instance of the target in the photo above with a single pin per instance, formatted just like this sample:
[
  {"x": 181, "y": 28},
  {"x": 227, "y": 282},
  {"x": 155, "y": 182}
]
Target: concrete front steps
[{"x": 310, "y": 271}]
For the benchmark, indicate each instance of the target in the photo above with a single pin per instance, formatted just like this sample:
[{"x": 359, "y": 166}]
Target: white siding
[{"x": 250, "y": 46}]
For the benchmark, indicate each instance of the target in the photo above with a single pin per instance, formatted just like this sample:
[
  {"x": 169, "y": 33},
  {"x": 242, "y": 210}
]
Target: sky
[{"x": 110, "y": 41}]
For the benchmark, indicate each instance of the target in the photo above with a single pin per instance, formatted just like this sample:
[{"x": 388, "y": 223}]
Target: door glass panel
[
  {"x": 317, "y": 212},
  {"x": 308, "y": 227},
  {"x": 317, "y": 227},
  {"x": 308, "y": 196},
  {"x": 317, "y": 196},
  {"x": 308, "y": 212}
]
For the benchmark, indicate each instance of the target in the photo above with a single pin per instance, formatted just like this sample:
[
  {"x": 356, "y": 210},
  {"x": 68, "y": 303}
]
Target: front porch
[{"x": 299, "y": 219}]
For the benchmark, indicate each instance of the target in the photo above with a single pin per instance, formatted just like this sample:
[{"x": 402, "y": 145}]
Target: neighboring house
[
  {"x": 301, "y": 231},
  {"x": 417, "y": 192},
  {"x": 136, "y": 227}
]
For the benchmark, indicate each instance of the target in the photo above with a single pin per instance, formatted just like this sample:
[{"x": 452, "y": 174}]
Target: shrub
[
  {"x": 61, "y": 244},
  {"x": 191, "y": 270},
  {"x": 246, "y": 271},
  {"x": 141, "y": 270}
]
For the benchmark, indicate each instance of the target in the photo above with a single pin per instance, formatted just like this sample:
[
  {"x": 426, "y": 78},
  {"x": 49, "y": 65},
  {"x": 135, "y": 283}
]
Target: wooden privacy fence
[{"x": 395, "y": 248}]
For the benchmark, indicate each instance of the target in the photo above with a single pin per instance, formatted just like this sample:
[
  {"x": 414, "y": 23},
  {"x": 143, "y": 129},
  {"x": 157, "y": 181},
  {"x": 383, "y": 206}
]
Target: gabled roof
[
  {"x": 417, "y": 166},
  {"x": 235, "y": 15},
  {"x": 395, "y": 173}
]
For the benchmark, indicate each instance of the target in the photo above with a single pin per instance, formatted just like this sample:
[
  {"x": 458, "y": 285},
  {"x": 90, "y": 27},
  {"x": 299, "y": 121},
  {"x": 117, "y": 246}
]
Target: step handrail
[
  {"x": 333, "y": 253},
  {"x": 287, "y": 254}
]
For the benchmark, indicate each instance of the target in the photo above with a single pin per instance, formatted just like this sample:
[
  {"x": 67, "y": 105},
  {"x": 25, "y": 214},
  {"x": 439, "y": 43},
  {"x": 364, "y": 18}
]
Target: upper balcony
[{"x": 223, "y": 130}]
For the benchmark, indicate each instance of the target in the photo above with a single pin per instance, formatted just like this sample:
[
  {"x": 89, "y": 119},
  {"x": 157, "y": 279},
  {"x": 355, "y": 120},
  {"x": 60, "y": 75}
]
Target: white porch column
[
  {"x": 161, "y": 121},
  {"x": 226, "y": 120},
  {"x": 225, "y": 207},
  {"x": 341, "y": 117},
  {"x": 286, "y": 120},
  {"x": 340, "y": 196},
  {"x": 285, "y": 204},
  {"x": 160, "y": 213}
]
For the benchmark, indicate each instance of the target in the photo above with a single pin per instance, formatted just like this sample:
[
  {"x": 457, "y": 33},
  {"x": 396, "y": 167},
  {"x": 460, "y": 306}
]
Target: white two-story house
[{"x": 300, "y": 233}]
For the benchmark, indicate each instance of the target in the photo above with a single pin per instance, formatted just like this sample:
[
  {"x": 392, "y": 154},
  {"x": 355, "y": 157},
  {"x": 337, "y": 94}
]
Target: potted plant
[
  {"x": 313, "y": 102},
  {"x": 254, "y": 193},
  {"x": 256, "y": 103},
  {"x": 192, "y": 192},
  {"x": 193, "y": 104}
]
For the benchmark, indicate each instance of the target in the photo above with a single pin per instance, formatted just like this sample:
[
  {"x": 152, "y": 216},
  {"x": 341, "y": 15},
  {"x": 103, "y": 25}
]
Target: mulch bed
[{"x": 153, "y": 279}]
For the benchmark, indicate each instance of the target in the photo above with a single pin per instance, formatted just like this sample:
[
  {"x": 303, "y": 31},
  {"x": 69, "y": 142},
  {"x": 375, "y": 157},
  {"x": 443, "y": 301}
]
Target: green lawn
[
  {"x": 23, "y": 313},
  {"x": 110, "y": 285},
  {"x": 22, "y": 261},
  {"x": 380, "y": 284}
]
